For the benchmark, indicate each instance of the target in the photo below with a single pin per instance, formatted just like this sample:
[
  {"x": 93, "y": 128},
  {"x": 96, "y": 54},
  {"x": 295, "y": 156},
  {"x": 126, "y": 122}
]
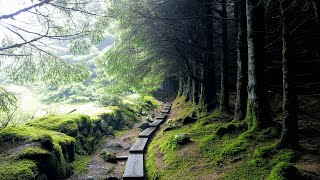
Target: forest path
[{"x": 100, "y": 170}]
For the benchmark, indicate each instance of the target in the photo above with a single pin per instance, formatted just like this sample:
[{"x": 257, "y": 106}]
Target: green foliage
[
  {"x": 7, "y": 100},
  {"x": 75, "y": 93},
  {"x": 80, "y": 46}
]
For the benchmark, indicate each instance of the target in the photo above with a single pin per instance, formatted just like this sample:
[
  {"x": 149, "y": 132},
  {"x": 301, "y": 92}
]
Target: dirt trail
[{"x": 100, "y": 170}]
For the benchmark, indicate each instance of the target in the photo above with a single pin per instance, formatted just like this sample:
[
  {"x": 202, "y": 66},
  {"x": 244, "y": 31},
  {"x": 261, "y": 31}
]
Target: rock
[
  {"x": 170, "y": 128},
  {"x": 115, "y": 146},
  {"x": 108, "y": 156},
  {"x": 46, "y": 143},
  {"x": 188, "y": 120},
  {"x": 182, "y": 138},
  {"x": 112, "y": 178},
  {"x": 89, "y": 178},
  {"x": 144, "y": 125},
  {"x": 169, "y": 121}
]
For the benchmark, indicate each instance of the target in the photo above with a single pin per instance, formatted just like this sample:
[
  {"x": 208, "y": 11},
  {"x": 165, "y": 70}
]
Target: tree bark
[
  {"x": 209, "y": 89},
  {"x": 195, "y": 86},
  {"x": 242, "y": 61},
  {"x": 256, "y": 113},
  {"x": 289, "y": 135},
  {"x": 224, "y": 97}
]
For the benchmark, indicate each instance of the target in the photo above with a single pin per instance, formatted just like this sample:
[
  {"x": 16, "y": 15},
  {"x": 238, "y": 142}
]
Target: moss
[
  {"x": 174, "y": 142},
  {"x": 282, "y": 171},
  {"x": 30, "y": 134},
  {"x": 69, "y": 124},
  {"x": 18, "y": 169},
  {"x": 80, "y": 164},
  {"x": 52, "y": 163},
  {"x": 108, "y": 156},
  {"x": 34, "y": 153}
]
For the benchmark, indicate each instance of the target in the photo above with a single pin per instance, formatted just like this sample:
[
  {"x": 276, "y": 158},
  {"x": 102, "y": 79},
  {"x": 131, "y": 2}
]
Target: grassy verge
[{"x": 218, "y": 149}]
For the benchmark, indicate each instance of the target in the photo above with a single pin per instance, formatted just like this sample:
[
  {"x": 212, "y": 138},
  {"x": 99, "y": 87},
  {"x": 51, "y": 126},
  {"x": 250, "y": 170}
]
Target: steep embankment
[
  {"x": 218, "y": 149},
  {"x": 45, "y": 147}
]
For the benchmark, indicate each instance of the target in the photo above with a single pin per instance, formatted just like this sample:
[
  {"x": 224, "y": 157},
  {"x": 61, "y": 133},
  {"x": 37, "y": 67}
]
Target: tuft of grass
[{"x": 80, "y": 163}]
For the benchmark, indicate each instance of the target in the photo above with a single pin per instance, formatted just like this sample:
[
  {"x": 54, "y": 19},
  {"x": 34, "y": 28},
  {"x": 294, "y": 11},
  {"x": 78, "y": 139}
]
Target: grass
[
  {"x": 219, "y": 149},
  {"x": 80, "y": 164}
]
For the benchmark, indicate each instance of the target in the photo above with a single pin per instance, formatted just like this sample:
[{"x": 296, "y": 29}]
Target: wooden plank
[
  {"x": 139, "y": 146},
  {"x": 156, "y": 123},
  {"x": 147, "y": 132},
  {"x": 134, "y": 167}
]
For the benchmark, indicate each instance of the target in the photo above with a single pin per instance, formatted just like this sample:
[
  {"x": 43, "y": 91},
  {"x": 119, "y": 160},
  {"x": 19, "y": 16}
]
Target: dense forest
[{"x": 242, "y": 77}]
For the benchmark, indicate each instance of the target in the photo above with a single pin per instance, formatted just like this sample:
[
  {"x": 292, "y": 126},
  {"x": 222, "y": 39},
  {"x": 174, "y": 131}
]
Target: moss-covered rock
[
  {"x": 283, "y": 171},
  {"x": 18, "y": 170},
  {"x": 108, "y": 156}
]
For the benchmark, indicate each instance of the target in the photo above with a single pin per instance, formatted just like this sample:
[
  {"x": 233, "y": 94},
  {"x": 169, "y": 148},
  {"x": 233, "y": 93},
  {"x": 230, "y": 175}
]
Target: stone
[
  {"x": 121, "y": 158},
  {"x": 182, "y": 138},
  {"x": 155, "y": 123},
  {"x": 139, "y": 146},
  {"x": 89, "y": 178},
  {"x": 134, "y": 168},
  {"x": 188, "y": 120},
  {"x": 108, "y": 156},
  {"x": 147, "y": 132},
  {"x": 144, "y": 125},
  {"x": 165, "y": 111}
]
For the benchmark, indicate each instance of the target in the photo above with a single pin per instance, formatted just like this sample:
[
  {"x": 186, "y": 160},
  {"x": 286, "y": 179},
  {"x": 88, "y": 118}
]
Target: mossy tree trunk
[
  {"x": 224, "y": 97},
  {"x": 256, "y": 109},
  {"x": 289, "y": 135},
  {"x": 180, "y": 90},
  {"x": 187, "y": 89},
  {"x": 242, "y": 61}
]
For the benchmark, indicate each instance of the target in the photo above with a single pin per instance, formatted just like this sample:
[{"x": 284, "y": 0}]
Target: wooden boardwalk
[{"x": 135, "y": 163}]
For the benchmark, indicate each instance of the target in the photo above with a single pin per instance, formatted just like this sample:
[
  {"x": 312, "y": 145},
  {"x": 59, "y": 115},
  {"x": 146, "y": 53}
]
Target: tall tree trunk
[
  {"x": 180, "y": 90},
  {"x": 195, "y": 86},
  {"x": 256, "y": 113},
  {"x": 188, "y": 89},
  {"x": 224, "y": 98},
  {"x": 242, "y": 61},
  {"x": 289, "y": 135},
  {"x": 316, "y": 6},
  {"x": 209, "y": 89}
]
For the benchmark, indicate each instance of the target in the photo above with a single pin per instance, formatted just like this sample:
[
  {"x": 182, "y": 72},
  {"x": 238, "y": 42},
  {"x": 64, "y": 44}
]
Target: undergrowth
[{"x": 219, "y": 148}]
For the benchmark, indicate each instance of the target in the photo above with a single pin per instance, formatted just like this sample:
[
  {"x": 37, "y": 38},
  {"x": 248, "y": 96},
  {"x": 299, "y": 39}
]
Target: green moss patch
[
  {"x": 18, "y": 170},
  {"x": 81, "y": 162}
]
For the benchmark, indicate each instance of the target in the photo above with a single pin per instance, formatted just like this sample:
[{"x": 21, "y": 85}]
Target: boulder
[
  {"x": 144, "y": 125},
  {"x": 108, "y": 156},
  {"x": 182, "y": 138}
]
